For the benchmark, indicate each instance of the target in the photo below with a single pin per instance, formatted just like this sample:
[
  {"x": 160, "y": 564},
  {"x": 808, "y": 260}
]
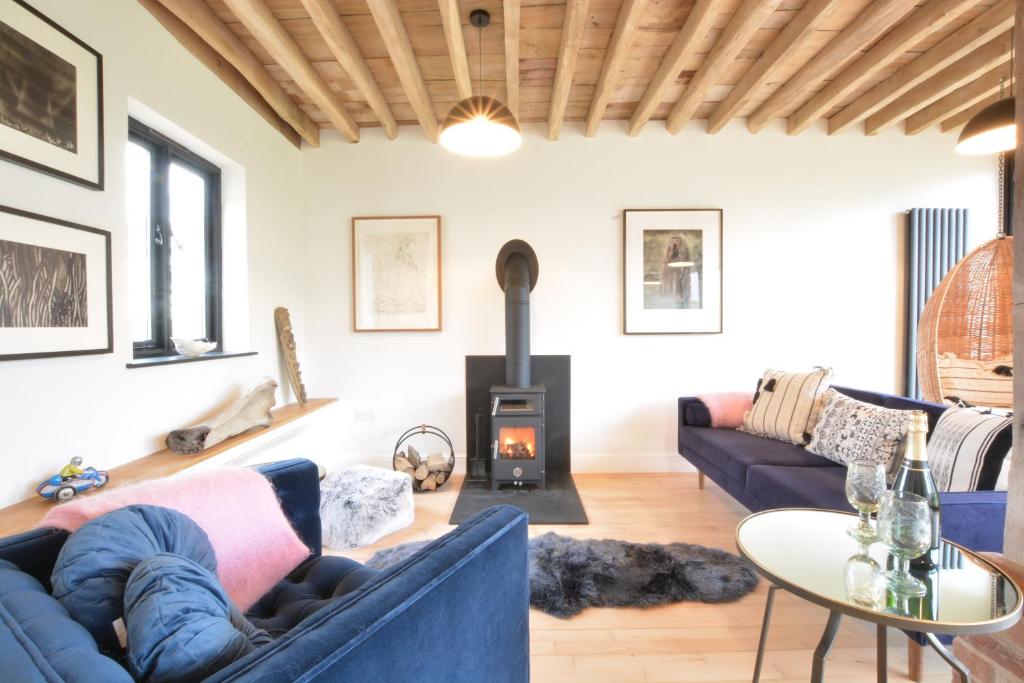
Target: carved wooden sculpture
[
  {"x": 251, "y": 410},
  {"x": 283, "y": 321}
]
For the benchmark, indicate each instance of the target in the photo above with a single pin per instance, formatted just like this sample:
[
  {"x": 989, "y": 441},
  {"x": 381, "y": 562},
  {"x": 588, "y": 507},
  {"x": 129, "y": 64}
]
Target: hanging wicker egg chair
[{"x": 965, "y": 335}]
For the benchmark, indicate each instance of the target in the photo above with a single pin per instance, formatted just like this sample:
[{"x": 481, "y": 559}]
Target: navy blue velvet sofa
[
  {"x": 765, "y": 474},
  {"x": 456, "y": 611}
]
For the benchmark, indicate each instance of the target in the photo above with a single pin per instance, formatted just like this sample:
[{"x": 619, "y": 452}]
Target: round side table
[{"x": 808, "y": 553}]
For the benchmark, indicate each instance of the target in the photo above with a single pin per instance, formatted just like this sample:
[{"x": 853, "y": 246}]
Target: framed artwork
[
  {"x": 396, "y": 274},
  {"x": 51, "y": 97},
  {"x": 672, "y": 271},
  {"x": 55, "y": 294}
]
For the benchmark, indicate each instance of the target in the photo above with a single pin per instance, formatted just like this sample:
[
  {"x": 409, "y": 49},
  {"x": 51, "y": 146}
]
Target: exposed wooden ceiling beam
[
  {"x": 269, "y": 32},
  {"x": 959, "y": 120},
  {"x": 220, "y": 67},
  {"x": 865, "y": 28},
  {"x": 456, "y": 46},
  {"x": 802, "y": 25},
  {"x": 572, "y": 35},
  {"x": 738, "y": 32},
  {"x": 345, "y": 49},
  {"x": 967, "y": 96},
  {"x": 895, "y": 43},
  {"x": 696, "y": 26},
  {"x": 960, "y": 73},
  {"x": 956, "y": 45},
  {"x": 198, "y": 16},
  {"x": 396, "y": 40},
  {"x": 618, "y": 49},
  {"x": 510, "y": 11}
]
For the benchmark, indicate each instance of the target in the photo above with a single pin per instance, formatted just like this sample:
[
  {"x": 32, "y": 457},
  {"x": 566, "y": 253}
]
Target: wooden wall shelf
[{"x": 28, "y": 513}]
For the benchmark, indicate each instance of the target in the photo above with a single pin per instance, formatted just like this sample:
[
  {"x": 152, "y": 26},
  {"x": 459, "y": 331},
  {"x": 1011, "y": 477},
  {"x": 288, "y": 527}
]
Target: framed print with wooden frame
[
  {"x": 55, "y": 294},
  {"x": 672, "y": 271},
  {"x": 51, "y": 97},
  {"x": 396, "y": 274}
]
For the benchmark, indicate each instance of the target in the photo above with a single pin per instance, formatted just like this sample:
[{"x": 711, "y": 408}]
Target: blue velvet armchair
[{"x": 456, "y": 611}]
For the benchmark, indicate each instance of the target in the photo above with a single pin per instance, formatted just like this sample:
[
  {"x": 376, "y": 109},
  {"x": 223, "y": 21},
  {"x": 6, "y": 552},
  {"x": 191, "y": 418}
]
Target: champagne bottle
[{"x": 916, "y": 477}]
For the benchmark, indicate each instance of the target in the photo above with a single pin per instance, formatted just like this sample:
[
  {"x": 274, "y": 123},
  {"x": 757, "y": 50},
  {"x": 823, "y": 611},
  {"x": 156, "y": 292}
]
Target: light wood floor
[{"x": 684, "y": 642}]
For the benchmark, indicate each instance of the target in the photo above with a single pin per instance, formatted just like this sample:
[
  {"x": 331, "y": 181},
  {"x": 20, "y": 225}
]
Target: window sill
[{"x": 174, "y": 360}]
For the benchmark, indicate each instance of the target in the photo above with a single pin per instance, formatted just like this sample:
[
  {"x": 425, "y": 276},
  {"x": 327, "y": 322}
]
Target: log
[
  {"x": 441, "y": 478},
  {"x": 413, "y": 456},
  {"x": 428, "y": 484},
  {"x": 422, "y": 472},
  {"x": 402, "y": 464},
  {"x": 438, "y": 463}
]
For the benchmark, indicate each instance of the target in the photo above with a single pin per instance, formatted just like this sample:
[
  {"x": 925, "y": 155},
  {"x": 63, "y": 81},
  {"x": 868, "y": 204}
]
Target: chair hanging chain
[{"x": 1002, "y": 194}]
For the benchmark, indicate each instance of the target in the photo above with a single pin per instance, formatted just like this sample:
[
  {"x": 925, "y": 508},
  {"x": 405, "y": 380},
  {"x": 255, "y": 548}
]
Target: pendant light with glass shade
[
  {"x": 994, "y": 128},
  {"x": 480, "y": 126}
]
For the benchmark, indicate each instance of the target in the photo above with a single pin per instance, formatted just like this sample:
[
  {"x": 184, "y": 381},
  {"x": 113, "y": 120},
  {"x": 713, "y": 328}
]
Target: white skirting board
[{"x": 596, "y": 463}]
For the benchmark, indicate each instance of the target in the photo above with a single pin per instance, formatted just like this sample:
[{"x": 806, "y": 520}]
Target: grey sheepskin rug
[{"x": 567, "y": 575}]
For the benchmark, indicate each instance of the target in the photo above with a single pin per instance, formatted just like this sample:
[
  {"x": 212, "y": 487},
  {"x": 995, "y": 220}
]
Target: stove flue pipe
[{"x": 517, "y": 274}]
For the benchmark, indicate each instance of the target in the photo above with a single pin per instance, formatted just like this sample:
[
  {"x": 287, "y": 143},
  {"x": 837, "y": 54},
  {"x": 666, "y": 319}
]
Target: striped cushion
[
  {"x": 787, "y": 405},
  {"x": 967, "y": 449}
]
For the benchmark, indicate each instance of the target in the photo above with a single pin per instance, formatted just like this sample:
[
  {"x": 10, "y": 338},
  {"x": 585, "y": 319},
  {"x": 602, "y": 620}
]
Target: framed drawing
[
  {"x": 396, "y": 274},
  {"x": 672, "y": 271},
  {"x": 55, "y": 296},
  {"x": 51, "y": 97}
]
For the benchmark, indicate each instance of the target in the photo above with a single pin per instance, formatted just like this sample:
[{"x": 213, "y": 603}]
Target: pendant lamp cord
[
  {"x": 1002, "y": 155},
  {"x": 480, "y": 60}
]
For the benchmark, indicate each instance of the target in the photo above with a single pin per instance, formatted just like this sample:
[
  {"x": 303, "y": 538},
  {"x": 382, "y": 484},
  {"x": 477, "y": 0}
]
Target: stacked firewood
[{"x": 428, "y": 472}]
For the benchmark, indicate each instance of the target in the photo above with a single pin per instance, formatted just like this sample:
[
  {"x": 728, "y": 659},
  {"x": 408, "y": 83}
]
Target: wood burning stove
[
  {"x": 517, "y": 407},
  {"x": 517, "y": 435}
]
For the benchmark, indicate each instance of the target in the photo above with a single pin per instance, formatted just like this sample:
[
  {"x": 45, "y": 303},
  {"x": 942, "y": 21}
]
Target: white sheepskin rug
[{"x": 360, "y": 504}]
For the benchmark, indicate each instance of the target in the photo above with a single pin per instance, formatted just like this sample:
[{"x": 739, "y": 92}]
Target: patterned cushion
[
  {"x": 787, "y": 405},
  {"x": 967, "y": 449},
  {"x": 853, "y": 430}
]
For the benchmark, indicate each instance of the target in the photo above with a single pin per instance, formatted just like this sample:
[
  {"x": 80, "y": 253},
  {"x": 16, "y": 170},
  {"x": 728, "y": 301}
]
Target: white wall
[
  {"x": 812, "y": 270},
  {"x": 92, "y": 406}
]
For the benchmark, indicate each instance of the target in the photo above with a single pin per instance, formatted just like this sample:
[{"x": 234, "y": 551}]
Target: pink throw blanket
[
  {"x": 237, "y": 508},
  {"x": 727, "y": 408}
]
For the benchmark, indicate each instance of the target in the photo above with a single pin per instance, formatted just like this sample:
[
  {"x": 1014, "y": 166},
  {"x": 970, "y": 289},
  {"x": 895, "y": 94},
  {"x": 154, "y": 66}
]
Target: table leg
[
  {"x": 882, "y": 654},
  {"x": 958, "y": 666},
  {"x": 824, "y": 646},
  {"x": 764, "y": 633}
]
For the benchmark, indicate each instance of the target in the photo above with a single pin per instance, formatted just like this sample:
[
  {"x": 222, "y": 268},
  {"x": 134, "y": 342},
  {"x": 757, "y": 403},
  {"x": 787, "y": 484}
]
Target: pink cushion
[
  {"x": 727, "y": 408},
  {"x": 237, "y": 508}
]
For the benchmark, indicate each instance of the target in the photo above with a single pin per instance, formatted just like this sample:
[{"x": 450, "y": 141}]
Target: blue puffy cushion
[
  {"x": 181, "y": 624},
  {"x": 40, "y": 642},
  {"x": 94, "y": 565}
]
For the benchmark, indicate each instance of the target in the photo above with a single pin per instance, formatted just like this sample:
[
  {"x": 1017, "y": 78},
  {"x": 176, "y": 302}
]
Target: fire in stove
[{"x": 517, "y": 443}]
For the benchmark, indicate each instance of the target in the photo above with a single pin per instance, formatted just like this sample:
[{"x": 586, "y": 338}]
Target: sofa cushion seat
[
  {"x": 312, "y": 585},
  {"x": 40, "y": 642},
  {"x": 733, "y": 451},
  {"x": 786, "y": 487}
]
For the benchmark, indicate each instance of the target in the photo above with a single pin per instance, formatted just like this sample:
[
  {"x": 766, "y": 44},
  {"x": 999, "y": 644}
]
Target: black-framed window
[{"x": 174, "y": 218}]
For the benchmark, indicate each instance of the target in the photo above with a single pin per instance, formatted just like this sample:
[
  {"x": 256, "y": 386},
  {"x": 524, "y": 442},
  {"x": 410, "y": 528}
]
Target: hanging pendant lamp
[
  {"x": 991, "y": 130},
  {"x": 994, "y": 128},
  {"x": 480, "y": 126}
]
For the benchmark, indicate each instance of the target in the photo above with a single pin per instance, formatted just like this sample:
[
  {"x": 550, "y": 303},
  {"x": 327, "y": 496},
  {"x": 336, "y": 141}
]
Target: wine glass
[
  {"x": 861, "y": 578},
  {"x": 905, "y": 526},
  {"x": 865, "y": 484}
]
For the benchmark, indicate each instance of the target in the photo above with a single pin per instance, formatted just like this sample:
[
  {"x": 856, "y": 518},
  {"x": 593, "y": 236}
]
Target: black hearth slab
[
  {"x": 552, "y": 372},
  {"x": 558, "y": 503}
]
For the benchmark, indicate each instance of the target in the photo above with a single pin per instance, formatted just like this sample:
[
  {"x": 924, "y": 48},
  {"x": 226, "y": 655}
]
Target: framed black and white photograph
[
  {"x": 672, "y": 271},
  {"x": 51, "y": 97},
  {"x": 55, "y": 296},
  {"x": 396, "y": 274}
]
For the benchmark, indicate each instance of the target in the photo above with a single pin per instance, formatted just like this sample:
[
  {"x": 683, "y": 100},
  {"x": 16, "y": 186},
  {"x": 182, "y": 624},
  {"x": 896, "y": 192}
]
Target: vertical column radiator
[{"x": 936, "y": 241}]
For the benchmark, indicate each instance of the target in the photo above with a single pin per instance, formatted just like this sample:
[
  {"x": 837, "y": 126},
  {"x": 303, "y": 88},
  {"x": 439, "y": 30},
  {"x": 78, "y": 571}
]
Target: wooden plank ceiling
[{"x": 856, "y": 64}]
